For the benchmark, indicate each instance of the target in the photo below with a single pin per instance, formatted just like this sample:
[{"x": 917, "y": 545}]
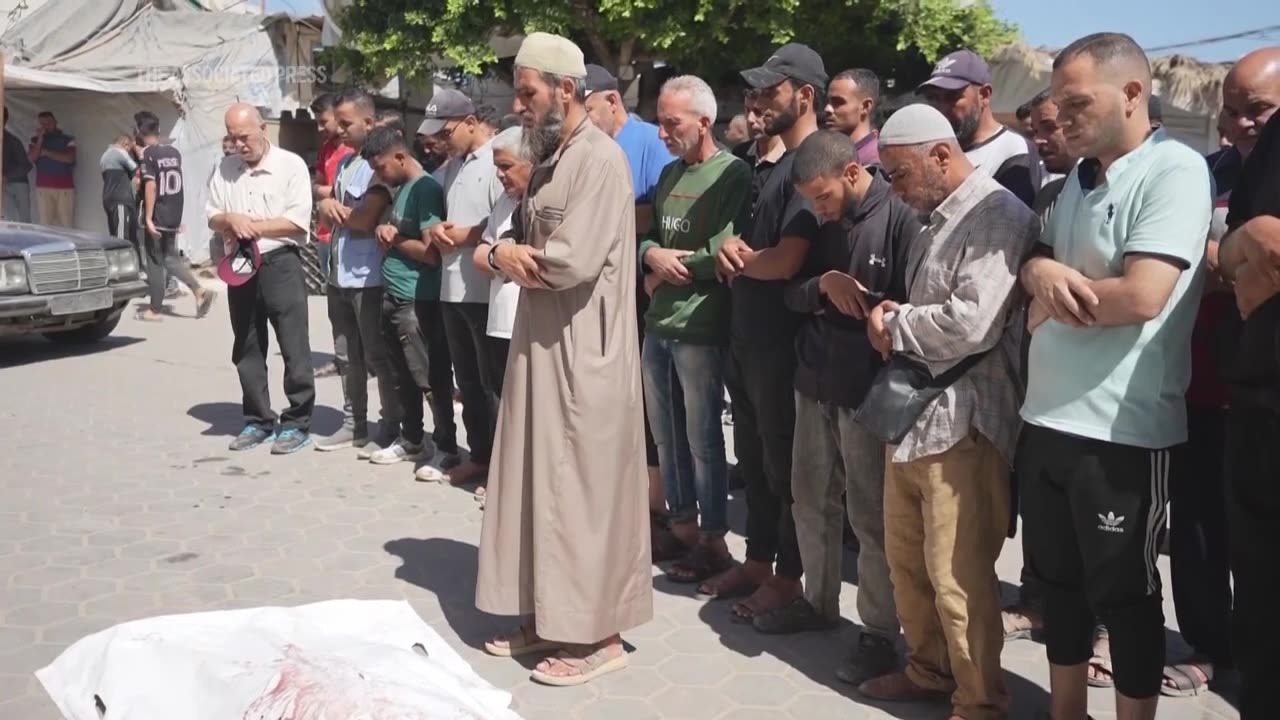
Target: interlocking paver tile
[{"x": 169, "y": 521}]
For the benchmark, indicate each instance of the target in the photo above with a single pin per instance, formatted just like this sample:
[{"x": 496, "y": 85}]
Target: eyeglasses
[{"x": 447, "y": 132}]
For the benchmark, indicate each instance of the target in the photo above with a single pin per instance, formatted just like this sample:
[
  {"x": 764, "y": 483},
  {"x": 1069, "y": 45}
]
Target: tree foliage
[{"x": 898, "y": 38}]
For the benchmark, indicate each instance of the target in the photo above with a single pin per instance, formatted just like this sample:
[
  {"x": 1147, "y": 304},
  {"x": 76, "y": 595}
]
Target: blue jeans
[{"x": 689, "y": 437}]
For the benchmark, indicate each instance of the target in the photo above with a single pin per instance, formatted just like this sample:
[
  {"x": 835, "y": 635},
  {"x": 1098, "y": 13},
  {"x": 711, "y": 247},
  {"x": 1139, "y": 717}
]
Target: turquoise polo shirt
[{"x": 1126, "y": 384}]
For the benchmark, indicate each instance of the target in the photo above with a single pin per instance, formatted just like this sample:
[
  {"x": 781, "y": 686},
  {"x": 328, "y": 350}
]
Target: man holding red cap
[{"x": 960, "y": 88}]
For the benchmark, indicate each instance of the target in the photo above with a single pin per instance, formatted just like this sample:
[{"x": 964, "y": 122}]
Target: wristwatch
[{"x": 493, "y": 261}]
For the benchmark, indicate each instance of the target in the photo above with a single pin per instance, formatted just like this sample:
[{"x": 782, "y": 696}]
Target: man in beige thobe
[{"x": 565, "y": 543}]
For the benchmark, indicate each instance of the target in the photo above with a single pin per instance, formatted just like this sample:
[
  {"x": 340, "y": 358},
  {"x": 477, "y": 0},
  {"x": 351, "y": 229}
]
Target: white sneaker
[
  {"x": 434, "y": 469},
  {"x": 377, "y": 441},
  {"x": 396, "y": 452}
]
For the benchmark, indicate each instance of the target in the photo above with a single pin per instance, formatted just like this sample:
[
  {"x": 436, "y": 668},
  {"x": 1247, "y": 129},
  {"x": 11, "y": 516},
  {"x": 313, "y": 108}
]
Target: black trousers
[
  {"x": 122, "y": 223},
  {"x": 464, "y": 326},
  {"x": 163, "y": 262},
  {"x": 1253, "y": 518},
  {"x": 1094, "y": 512},
  {"x": 498, "y": 350},
  {"x": 760, "y": 381},
  {"x": 650, "y": 445},
  {"x": 275, "y": 295},
  {"x": 413, "y": 333},
  {"x": 1199, "y": 554}
]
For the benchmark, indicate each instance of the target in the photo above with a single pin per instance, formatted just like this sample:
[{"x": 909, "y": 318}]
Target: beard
[
  {"x": 783, "y": 121},
  {"x": 541, "y": 141},
  {"x": 682, "y": 146},
  {"x": 967, "y": 129}
]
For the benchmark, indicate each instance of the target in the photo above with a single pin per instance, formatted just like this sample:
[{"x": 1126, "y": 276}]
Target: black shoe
[
  {"x": 872, "y": 658},
  {"x": 797, "y": 617},
  {"x": 736, "y": 481},
  {"x": 251, "y": 437}
]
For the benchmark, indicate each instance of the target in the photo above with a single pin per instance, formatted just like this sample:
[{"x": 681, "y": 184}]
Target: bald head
[
  {"x": 248, "y": 131},
  {"x": 1250, "y": 96}
]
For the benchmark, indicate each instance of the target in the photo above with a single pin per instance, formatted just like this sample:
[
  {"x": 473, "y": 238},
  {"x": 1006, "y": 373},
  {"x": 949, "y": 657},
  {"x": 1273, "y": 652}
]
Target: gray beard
[{"x": 541, "y": 141}]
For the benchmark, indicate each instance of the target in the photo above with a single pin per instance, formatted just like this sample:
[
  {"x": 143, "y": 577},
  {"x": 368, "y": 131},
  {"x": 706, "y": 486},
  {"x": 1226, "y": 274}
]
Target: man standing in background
[
  {"x": 119, "y": 191},
  {"x": 54, "y": 155},
  {"x": 851, "y": 104},
  {"x": 472, "y": 189},
  {"x": 646, "y": 155},
  {"x": 17, "y": 188},
  {"x": 960, "y": 88},
  {"x": 332, "y": 152},
  {"x": 738, "y": 132}
]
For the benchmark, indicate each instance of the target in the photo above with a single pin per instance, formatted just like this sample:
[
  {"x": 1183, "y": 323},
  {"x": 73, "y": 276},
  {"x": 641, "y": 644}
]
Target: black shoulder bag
[{"x": 903, "y": 389}]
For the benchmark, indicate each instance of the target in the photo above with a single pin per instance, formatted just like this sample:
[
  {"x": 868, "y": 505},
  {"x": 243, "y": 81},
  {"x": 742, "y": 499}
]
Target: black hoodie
[{"x": 835, "y": 360}]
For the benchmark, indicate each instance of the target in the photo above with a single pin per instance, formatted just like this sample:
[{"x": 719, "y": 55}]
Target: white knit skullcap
[
  {"x": 552, "y": 54},
  {"x": 915, "y": 125}
]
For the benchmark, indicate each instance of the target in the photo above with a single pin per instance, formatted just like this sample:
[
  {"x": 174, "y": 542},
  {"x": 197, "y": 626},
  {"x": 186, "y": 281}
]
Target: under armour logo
[
  {"x": 877, "y": 260},
  {"x": 944, "y": 65},
  {"x": 1110, "y": 523}
]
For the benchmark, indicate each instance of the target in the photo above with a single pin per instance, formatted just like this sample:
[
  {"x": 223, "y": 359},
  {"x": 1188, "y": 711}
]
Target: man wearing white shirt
[
  {"x": 261, "y": 195},
  {"x": 471, "y": 192}
]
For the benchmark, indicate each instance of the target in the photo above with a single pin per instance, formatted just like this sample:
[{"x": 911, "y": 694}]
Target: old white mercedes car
[{"x": 67, "y": 285}]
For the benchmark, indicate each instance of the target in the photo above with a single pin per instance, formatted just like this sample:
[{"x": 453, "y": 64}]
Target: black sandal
[
  {"x": 665, "y": 546},
  {"x": 698, "y": 565}
]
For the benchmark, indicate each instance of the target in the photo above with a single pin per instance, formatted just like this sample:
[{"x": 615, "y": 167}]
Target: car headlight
[
  {"x": 122, "y": 263},
  {"x": 13, "y": 276}
]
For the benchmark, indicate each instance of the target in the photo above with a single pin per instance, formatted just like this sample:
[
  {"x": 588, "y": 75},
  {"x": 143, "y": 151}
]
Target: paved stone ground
[{"x": 120, "y": 501}]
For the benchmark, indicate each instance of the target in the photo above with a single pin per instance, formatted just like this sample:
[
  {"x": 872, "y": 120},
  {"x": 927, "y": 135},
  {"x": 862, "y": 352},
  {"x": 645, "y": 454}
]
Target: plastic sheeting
[
  {"x": 344, "y": 659},
  {"x": 94, "y": 63}
]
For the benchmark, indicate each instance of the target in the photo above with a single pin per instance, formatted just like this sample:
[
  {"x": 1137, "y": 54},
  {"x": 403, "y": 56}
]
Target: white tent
[
  {"x": 94, "y": 63},
  {"x": 1190, "y": 91}
]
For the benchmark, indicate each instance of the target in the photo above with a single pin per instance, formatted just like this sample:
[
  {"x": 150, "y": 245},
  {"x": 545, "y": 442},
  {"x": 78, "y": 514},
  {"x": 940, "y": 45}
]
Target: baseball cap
[
  {"x": 241, "y": 264},
  {"x": 792, "y": 61},
  {"x": 959, "y": 70},
  {"x": 599, "y": 80},
  {"x": 445, "y": 105}
]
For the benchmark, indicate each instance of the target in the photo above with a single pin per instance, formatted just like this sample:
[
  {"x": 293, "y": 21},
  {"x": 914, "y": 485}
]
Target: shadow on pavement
[
  {"x": 18, "y": 351},
  {"x": 447, "y": 569},
  {"x": 227, "y": 419}
]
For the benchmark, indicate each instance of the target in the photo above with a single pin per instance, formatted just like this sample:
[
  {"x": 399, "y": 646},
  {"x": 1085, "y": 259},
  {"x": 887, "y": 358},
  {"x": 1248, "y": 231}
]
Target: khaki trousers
[
  {"x": 945, "y": 518},
  {"x": 57, "y": 206}
]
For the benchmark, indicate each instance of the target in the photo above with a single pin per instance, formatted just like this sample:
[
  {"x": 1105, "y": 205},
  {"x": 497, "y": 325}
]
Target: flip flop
[
  {"x": 1186, "y": 681},
  {"x": 519, "y": 645},
  {"x": 207, "y": 302},
  {"x": 596, "y": 664},
  {"x": 144, "y": 317},
  {"x": 1102, "y": 663}
]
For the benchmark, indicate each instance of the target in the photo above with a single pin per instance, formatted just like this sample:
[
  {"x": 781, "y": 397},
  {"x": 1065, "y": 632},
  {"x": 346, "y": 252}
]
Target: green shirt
[
  {"x": 418, "y": 206},
  {"x": 696, "y": 207}
]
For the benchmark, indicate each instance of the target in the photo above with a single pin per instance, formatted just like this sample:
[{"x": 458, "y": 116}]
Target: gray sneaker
[
  {"x": 345, "y": 438},
  {"x": 399, "y": 451},
  {"x": 440, "y": 463},
  {"x": 873, "y": 657}
]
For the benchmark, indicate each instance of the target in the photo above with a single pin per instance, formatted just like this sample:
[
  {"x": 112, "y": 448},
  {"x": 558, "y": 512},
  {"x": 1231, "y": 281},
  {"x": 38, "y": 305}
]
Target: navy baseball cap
[
  {"x": 959, "y": 70},
  {"x": 792, "y": 61},
  {"x": 599, "y": 80}
]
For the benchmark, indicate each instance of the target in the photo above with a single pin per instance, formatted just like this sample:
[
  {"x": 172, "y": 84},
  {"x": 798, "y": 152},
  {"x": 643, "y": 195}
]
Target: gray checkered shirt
[{"x": 965, "y": 299}]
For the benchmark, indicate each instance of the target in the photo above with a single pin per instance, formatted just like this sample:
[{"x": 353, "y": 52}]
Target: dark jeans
[
  {"x": 1253, "y": 506},
  {"x": 464, "y": 326},
  {"x": 419, "y": 358},
  {"x": 276, "y": 294},
  {"x": 499, "y": 348},
  {"x": 122, "y": 222},
  {"x": 356, "y": 314},
  {"x": 760, "y": 381},
  {"x": 162, "y": 258},
  {"x": 1198, "y": 552}
]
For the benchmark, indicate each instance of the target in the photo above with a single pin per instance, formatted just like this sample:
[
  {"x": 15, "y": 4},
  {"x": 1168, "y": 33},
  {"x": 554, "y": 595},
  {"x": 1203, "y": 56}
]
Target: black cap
[
  {"x": 599, "y": 80},
  {"x": 792, "y": 61}
]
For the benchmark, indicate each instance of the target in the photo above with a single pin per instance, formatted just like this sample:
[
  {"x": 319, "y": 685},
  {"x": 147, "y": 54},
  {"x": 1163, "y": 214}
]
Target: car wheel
[{"x": 86, "y": 335}]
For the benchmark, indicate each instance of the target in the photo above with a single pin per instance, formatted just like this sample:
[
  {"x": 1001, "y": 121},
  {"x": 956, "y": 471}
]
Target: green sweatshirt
[{"x": 696, "y": 207}]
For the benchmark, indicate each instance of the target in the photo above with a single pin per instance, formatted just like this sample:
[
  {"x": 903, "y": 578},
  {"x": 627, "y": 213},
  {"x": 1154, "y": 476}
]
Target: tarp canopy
[
  {"x": 1190, "y": 91},
  {"x": 94, "y": 63}
]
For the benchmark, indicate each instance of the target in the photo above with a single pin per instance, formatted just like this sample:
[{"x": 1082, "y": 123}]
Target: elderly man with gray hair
[
  {"x": 565, "y": 542},
  {"x": 956, "y": 344},
  {"x": 700, "y": 200}
]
